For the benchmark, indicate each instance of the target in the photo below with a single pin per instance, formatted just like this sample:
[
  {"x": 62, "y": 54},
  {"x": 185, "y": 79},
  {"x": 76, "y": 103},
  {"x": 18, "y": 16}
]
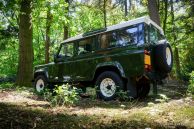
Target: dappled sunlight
[{"x": 92, "y": 113}]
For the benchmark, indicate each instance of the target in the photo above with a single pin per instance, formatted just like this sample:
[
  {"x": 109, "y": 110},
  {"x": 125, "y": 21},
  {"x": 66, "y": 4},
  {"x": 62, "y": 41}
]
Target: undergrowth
[
  {"x": 61, "y": 95},
  {"x": 191, "y": 85}
]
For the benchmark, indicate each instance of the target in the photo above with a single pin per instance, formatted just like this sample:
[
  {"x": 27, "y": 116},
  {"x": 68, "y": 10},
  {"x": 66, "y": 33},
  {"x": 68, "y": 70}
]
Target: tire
[
  {"x": 108, "y": 84},
  {"x": 163, "y": 58},
  {"x": 40, "y": 83}
]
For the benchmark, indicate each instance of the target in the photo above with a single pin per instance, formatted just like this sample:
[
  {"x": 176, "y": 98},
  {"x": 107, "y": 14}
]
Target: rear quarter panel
[{"x": 130, "y": 58}]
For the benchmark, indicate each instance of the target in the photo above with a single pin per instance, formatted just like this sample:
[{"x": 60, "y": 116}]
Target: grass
[
  {"x": 7, "y": 85},
  {"x": 20, "y": 108},
  {"x": 22, "y": 117}
]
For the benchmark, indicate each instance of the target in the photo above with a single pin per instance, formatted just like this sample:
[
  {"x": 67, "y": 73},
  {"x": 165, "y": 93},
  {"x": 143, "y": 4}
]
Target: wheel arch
[
  {"x": 109, "y": 66},
  {"x": 40, "y": 72}
]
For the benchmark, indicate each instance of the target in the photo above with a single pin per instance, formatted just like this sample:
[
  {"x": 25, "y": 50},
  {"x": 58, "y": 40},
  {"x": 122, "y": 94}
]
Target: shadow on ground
[
  {"x": 42, "y": 116},
  {"x": 173, "y": 90},
  {"x": 20, "y": 117}
]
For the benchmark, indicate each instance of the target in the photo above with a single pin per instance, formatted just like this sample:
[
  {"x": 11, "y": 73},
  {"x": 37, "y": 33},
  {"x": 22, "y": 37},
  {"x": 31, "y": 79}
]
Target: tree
[
  {"x": 66, "y": 28},
  {"x": 25, "y": 66},
  {"x": 104, "y": 11},
  {"x": 48, "y": 29},
  {"x": 165, "y": 15},
  {"x": 176, "y": 51},
  {"x": 153, "y": 11}
]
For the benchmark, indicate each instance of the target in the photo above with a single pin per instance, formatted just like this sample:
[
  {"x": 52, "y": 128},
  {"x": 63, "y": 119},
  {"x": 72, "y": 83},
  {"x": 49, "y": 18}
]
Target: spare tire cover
[{"x": 163, "y": 57}]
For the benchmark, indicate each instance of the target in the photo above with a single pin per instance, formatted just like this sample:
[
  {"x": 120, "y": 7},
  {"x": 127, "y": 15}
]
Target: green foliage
[
  {"x": 63, "y": 95},
  {"x": 191, "y": 84},
  {"x": 6, "y": 86},
  {"x": 122, "y": 95},
  {"x": 9, "y": 57}
]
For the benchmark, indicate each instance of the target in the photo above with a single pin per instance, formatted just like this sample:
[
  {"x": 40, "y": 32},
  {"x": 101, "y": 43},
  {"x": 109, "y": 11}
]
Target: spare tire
[{"x": 163, "y": 57}]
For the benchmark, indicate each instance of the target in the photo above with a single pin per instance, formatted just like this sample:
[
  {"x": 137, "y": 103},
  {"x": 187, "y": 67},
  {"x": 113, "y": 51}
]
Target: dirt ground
[{"x": 22, "y": 109}]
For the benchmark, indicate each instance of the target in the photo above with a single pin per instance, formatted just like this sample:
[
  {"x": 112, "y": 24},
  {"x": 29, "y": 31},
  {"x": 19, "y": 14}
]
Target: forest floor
[{"x": 20, "y": 108}]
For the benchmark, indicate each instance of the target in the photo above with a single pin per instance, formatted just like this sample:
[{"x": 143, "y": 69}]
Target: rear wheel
[{"x": 108, "y": 84}]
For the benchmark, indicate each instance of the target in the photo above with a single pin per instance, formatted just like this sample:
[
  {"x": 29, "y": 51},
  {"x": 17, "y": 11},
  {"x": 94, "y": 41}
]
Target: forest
[{"x": 30, "y": 34}]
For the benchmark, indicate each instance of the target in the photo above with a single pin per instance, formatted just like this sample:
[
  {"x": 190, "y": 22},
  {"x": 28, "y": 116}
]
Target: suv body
[{"x": 132, "y": 54}]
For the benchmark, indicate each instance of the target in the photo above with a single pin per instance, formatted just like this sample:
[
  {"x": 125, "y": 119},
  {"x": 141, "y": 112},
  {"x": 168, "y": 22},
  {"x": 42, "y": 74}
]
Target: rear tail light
[{"x": 147, "y": 61}]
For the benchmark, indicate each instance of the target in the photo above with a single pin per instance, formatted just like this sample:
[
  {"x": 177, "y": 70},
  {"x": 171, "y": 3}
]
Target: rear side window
[
  {"x": 85, "y": 46},
  {"x": 122, "y": 37},
  {"x": 155, "y": 35}
]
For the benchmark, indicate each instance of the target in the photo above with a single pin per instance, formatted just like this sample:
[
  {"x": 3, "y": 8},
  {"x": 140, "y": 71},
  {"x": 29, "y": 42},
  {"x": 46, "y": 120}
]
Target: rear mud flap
[{"x": 131, "y": 89}]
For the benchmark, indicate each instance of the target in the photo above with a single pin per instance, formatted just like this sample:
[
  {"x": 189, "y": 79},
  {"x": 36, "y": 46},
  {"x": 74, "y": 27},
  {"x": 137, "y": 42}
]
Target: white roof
[{"x": 144, "y": 19}]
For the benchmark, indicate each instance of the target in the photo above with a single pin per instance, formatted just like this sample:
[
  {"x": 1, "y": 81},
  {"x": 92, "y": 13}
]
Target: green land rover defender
[{"x": 128, "y": 56}]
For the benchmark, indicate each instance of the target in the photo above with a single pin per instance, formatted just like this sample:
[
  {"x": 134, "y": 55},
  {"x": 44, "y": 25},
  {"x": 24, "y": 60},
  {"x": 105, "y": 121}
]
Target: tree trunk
[
  {"x": 176, "y": 51},
  {"x": 130, "y": 5},
  {"x": 66, "y": 32},
  {"x": 153, "y": 11},
  {"x": 25, "y": 66},
  {"x": 104, "y": 11},
  {"x": 48, "y": 28},
  {"x": 65, "y": 27},
  {"x": 126, "y": 9},
  {"x": 177, "y": 62},
  {"x": 192, "y": 12},
  {"x": 165, "y": 15}
]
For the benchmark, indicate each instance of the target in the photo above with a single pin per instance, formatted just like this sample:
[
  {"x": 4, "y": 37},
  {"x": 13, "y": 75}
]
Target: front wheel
[
  {"x": 108, "y": 84},
  {"x": 40, "y": 83}
]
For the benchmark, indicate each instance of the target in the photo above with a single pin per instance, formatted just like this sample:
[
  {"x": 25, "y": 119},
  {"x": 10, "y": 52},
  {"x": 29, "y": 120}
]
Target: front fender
[{"x": 42, "y": 71}]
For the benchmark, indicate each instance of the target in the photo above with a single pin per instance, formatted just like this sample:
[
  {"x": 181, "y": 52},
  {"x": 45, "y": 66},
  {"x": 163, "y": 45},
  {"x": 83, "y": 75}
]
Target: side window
[
  {"x": 85, "y": 46},
  {"x": 129, "y": 36},
  {"x": 119, "y": 38},
  {"x": 141, "y": 38},
  {"x": 67, "y": 50},
  {"x": 108, "y": 40},
  {"x": 153, "y": 35},
  {"x": 104, "y": 40}
]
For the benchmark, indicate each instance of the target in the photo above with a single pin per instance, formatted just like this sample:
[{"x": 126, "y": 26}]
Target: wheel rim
[
  {"x": 107, "y": 87},
  {"x": 168, "y": 56},
  {"x": 39, "y": 85}
]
